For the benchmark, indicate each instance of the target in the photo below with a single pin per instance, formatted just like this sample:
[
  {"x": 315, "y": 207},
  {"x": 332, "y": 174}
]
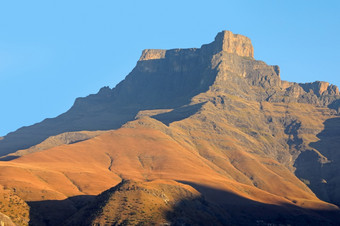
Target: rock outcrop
[
  {"x": 152, "y": 54},
  {"x": 225, "y": 41},
  {"x": 316, "y": 93},
  {"x": 228, "y": 42},
  {"x": 320, "y": 88}
]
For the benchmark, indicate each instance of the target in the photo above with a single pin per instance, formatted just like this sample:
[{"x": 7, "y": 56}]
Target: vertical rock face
[
  {"x": 320, "y": 88},
  {"x": 225, "y": 41},
  {"x": 182, "y": 72},
  {"x": 316, "y": 93},
  {"x": 232, "y": 43},
  {"x": 165, "y": 78},
  {"x": 151, "y": 54}
]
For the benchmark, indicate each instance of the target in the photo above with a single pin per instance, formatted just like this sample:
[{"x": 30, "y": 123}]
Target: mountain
[{"x": 210, "y": 134}]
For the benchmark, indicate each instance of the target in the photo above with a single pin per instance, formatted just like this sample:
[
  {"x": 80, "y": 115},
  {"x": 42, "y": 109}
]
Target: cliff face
[
  {"x": 316, "y": 93},
  {"x": 228, "y": 42},
  {"x": 225, "y": 41},
  {"x": 230, "y": 115}
]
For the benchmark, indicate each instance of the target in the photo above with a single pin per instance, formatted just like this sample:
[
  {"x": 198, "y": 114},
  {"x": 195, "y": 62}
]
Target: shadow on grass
[
  {"x": 219, "y": 207},
  {"x": 178, "y": 114},
  {"x": 320, "y": 174},
  {"x": 55, "y": 212},
  {"x": 8, "y": 158}
]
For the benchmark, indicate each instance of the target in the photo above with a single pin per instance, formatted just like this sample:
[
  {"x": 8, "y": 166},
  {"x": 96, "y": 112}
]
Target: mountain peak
[
  {"x": 225, "y": 41},
  {"x": 233, "y": 43},
  {"x": 152, "y": 54}
]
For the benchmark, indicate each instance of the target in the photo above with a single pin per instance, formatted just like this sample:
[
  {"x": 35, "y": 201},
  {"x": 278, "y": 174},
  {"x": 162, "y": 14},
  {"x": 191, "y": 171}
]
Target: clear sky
[{"x": 54, "y": 51}]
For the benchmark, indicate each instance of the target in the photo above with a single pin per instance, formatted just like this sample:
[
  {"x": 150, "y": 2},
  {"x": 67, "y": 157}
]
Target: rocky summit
[{"x": 195, "y": 136}]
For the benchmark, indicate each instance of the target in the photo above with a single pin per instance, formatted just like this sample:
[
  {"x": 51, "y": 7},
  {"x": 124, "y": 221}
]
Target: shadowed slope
[
  {"x": 53, "y": 141},
  {"x": 149, "y": 203},
  {"x": 54, "y": 212},
  {"x": 177, "y": 203},
  {"x": 236, "y": 210},
  {"x": 320, "y": 166},
  {"x": 178, "y": 114}
]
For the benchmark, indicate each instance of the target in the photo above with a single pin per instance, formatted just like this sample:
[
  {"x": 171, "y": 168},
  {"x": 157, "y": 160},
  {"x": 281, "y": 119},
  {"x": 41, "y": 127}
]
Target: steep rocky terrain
[
  {"x": 319, "y": 164},
  {"x": 208, "y": 129}
]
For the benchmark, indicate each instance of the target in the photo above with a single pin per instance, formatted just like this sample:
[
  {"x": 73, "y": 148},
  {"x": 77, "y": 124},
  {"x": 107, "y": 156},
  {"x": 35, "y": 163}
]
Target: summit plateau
[{"x": 198, "y": 136}]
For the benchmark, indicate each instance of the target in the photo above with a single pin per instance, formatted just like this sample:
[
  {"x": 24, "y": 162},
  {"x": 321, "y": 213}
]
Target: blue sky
[{"x": 54, "y": 51}]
